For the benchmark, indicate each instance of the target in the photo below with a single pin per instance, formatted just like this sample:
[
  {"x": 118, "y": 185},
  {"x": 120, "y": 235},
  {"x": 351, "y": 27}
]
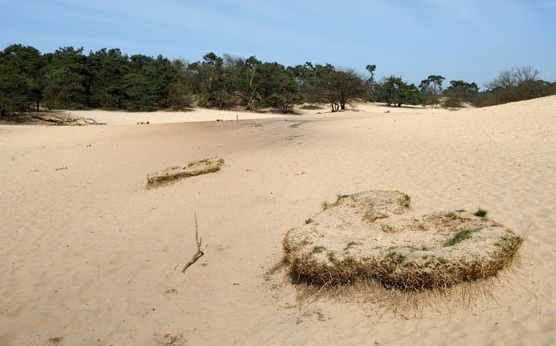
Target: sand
[
  {"x": 92, "y": 257},
  {"x": 165, "y": 117}
]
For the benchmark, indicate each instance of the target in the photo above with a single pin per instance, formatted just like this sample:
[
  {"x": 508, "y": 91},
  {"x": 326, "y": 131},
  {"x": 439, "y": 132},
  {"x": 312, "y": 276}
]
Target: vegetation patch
[
  {"x": 318, "y": 249},
  {"x": 403, "y": 251},
  {"x": 310, "y": 107},
  {"x": 352, "y": 244},
  {"x": 459, "y": 237},
  {"x": 339, "y": 198},
  {"x": 192, "y": 169}
]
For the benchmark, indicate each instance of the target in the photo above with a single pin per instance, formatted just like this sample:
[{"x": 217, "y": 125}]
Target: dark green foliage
[
  {"x": 20, "y": 78},
  {"x": 459, "y": 92},
  {"x": 318, "y": 249},
  {"x": 109, "y": 79},
  {"x": 277, "y": 87},
  {"x": 480, "y": 213},
  {"x": 335, "y": 87},
  {"x": 394, "y": 91},
  {"x": 431, "y": 88},
  {"x": 106, "y": 86},
  {"x": 459, "y": 237},
  {"x": 67, "y": 79},
  {"x": 65, "y": 89},
  {"x": 371, "y": 69},
  {"x": 229, "y": 81},
  {"x": 212, "y": 82}
]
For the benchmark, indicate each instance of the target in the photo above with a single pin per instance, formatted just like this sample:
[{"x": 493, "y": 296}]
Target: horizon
[{"x": 474, "y": 43}]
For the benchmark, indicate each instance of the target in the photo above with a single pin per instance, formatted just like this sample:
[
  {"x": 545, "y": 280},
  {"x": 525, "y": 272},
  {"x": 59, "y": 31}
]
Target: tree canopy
[
  {"x": 459, "y": 92},
  {"x": 109, "y": 79},
  {"x": 395, "y": 91},
  {"x": 516, "y": 84},
  {"x": 431, "y": 88},
  {"x": 335, "y": 87}
]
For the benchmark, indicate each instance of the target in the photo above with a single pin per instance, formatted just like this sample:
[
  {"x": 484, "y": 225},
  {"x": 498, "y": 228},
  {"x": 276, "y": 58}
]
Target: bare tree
[
  {"x": 515, "y": 84},
  {"x": 514, "y": 77}
]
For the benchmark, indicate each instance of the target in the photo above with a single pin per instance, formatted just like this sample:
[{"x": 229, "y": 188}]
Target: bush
[{"x": 515, "y": 84}]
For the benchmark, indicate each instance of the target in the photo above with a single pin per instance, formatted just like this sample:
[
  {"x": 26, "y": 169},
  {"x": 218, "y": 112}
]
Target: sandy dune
[
  {"x": 92, "y": 257},
  {"x": 164, "y": 117}
]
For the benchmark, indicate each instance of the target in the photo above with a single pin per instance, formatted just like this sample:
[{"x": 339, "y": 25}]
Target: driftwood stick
[{"x": 199, "y": 252}]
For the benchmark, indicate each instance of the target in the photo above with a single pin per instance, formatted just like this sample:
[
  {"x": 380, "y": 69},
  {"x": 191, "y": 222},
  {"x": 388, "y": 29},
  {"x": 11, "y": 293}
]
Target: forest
[{"x": 109, "y": 79}]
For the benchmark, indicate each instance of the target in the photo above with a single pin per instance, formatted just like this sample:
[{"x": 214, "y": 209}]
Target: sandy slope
[
  {"x": 163, "y": 117},
  {"x": 90, "y": 255}
]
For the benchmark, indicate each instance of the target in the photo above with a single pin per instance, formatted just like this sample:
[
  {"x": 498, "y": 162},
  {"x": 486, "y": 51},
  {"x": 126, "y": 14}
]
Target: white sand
[
  {"x": 164, "y": 117},
  {"x": 90, "y": 255}
]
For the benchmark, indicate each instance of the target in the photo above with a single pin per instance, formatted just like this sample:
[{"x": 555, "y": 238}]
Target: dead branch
[
  {"x": 199, "y": 252},
  {"x": 64, "y": 119}
]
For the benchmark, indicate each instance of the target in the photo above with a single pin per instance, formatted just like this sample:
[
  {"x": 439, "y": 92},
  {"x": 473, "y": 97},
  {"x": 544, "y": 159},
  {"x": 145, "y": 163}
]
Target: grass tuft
[
  {"x": 327, "y": 205},
  {"x": 480, "y": 213},
  {"x": 459, "y": 237},
  {"x": 404, "y": 201},
  {"x": 351, "y": 244},
  {"x": 192, "y": 169},
  {"x": 318, "y": 249},
  {"x": 396, "y": 257}
]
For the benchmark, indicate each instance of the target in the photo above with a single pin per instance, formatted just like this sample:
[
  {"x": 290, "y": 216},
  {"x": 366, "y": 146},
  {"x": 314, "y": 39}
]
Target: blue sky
[{"x": 460, "y": 39}]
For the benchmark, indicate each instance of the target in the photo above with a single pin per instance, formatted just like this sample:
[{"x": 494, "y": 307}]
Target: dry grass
[
  {"x": 381, "y": 301},
  {"x": 192, "y": 169},
  {"x": 327, "y": 205},
  {"x": 450, "y": 248},
  {"x": 397, "y": 271}
]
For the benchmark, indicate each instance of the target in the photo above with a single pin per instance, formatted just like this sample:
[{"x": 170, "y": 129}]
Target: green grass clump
[
  {"x": 396, "y": 257},
  {"x": 459, "y": 237},
  {"x": 308, "y": 221},
  {"x": 318, "y": 249},
  {"x": 480, "y": 213},
  {"x": 339, "y": 198},
  {"x": 404, "y": 201},
  {"x": 351, "y": 244}
]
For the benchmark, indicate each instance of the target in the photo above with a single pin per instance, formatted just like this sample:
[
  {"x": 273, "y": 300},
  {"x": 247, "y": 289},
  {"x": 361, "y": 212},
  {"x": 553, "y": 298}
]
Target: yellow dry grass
[
  {"x": 372, "y": 235},
  {"x": 192, "y": 169}
]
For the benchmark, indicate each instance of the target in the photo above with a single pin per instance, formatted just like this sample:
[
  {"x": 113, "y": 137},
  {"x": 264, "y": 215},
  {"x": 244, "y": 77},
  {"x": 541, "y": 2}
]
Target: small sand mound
[
  {"x": 374, "y": 235},
  {"x": 192, "y": 169}
]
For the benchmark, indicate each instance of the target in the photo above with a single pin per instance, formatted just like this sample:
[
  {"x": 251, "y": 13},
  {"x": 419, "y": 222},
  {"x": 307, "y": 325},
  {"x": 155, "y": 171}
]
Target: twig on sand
[
  {"x": 199, "y": 252},
  {"x": 534, "y": 227}
]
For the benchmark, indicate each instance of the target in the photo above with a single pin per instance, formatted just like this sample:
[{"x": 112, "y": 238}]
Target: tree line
[{"x": 108, "y": 79}]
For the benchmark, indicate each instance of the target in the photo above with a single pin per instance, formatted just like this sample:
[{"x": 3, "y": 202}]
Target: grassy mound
[
  {"x": 192, "y": 169},
  {"x": 374, "y": 235}
]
